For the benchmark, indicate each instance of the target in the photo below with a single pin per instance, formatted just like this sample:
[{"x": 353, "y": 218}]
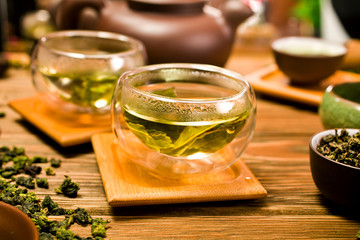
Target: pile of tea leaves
[
  {"x": 18, "y": 173},
  {"x": 342, "y": 147}
]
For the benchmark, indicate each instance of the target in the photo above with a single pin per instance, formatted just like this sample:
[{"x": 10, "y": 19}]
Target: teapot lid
[{"x": 168, "y": 6}]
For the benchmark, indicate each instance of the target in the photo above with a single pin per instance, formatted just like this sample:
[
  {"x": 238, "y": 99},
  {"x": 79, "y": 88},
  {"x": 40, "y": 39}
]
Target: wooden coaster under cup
[
  {"x": 64, "y": 131},
  {"x": 127, "y": 184}
]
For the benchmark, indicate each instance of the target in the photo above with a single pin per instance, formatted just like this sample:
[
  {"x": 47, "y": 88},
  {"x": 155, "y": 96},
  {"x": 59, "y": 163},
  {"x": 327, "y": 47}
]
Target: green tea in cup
[
  {"x": 183, "y": 118},
  {"x": 75, "y": 72}
]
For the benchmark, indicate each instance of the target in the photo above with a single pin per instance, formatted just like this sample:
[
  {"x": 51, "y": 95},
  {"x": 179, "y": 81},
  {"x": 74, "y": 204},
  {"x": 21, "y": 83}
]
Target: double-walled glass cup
[
  {"x": 75, "y": 72},
  {"x": 183, "y": 119}
]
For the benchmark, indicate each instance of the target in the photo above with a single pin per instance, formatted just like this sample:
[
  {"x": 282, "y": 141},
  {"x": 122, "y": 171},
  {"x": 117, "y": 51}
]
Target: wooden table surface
[{"x": 278, "y": 156}]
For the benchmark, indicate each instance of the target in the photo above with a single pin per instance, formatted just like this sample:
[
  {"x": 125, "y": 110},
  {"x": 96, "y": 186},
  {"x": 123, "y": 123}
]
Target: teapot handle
[{"x": 69, "y": 11}]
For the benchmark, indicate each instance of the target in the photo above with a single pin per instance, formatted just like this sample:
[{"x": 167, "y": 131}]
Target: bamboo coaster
[
  {"x": 127, "y": 184},
  {"x": 64, "y": 131},
  {"x": 271, "y": 81}
]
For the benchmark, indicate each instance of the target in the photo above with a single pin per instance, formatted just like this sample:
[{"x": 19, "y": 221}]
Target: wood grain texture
[
  {"x": 127, "y": 184},
  {"x": 277, "y": 155},
  {"x": 64, "y": 130},
  {"x": 271, "y": 81}
]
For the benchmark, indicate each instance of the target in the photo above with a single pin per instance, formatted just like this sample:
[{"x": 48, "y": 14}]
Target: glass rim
[
  {"x": 136, "y": 45},
  {"x": 236, "y": 77}
]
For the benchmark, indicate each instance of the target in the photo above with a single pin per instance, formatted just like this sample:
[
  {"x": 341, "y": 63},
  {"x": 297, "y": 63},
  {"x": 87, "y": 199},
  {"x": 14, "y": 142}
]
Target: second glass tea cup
[
  {"x": 75, "y": 72},
  {"x": 180, "y": 119}
]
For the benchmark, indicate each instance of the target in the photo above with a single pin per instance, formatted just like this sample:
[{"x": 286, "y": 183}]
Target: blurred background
[
  {"x": 330, "y": 19},
  {"x": 23, "y": 21}
]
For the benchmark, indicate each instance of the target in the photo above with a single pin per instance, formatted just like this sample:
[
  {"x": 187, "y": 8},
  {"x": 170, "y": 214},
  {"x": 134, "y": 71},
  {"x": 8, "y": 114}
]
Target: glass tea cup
[
  {"x": 180, "y": 119},
  {"x": 75, "y": 72}
]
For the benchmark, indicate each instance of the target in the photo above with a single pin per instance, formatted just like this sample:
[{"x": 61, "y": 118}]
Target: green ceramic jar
[{"x": 340, "y": 106}]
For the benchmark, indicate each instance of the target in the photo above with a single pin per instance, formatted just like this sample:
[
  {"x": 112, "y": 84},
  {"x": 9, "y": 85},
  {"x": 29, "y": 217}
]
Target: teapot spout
[{"x": 234, "y": 11}]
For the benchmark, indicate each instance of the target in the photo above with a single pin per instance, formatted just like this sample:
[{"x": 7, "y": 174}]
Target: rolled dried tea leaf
[
  {"x": 55, "y": 162},
  {"x": 42, "y": 183},
  {"x": 68, "y": 188},
  {"x": 342, "y": 148},
  {"x": 49, "y": 171}
]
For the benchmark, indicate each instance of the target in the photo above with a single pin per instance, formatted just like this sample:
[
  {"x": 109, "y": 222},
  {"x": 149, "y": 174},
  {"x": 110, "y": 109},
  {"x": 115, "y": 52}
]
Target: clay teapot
[{"x": 196, "y": 31}]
